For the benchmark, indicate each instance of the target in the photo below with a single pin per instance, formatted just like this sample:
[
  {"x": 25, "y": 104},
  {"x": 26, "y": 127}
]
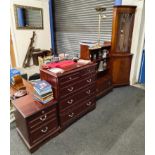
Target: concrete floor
[{"x": 115, "y": 127}]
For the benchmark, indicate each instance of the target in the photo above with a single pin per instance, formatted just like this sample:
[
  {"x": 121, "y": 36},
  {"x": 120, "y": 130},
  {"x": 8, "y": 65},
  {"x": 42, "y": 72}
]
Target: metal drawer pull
[
  {"x": 70, "y": 89},
  {"x": 89, "y": 80},
  {"x": 44, "y": 130},
  {"x": 71, "y": 115},
  {"x": 70, "y": 102},
  {"x": 43, "y": 118},
  {"x": 88, "y": 92},
  {"x": 89, "y": 103}
]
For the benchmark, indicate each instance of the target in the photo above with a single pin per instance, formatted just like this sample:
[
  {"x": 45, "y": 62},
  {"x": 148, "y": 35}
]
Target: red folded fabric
[{"x": 61, "y": 64}]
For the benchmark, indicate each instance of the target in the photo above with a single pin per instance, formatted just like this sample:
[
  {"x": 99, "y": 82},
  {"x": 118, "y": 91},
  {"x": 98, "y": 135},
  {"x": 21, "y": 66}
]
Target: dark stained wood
[
  {"x": 102, "y": 77},
  {"x": 72, "y": 88},
  {"x": 35, "y": 122},
  {"x": 28, "y": 106},
  {"x": 84, "y": 52},
  {"x": 121, "y": 65},
  {"x": 115, "y": 27},
  {"x": 122, "y": 29}
]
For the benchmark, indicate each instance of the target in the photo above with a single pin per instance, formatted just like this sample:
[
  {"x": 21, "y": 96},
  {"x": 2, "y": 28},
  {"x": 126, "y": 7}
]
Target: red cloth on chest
[{"x": 61, "y": 64}]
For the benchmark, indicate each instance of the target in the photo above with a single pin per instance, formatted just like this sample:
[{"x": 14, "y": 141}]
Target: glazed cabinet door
[{"x": 123, "y": 21}]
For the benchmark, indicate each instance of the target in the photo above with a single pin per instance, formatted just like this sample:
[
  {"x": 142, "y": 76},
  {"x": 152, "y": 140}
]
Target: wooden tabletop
[{"x": 26, "y": 104}]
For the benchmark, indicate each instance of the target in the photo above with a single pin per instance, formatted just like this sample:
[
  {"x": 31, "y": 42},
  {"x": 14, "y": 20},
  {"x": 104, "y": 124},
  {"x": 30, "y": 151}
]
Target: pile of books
[{"x": 43, "y": 91}]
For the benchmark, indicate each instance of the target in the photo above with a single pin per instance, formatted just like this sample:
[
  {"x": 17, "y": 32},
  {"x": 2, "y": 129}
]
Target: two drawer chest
[
  {"x": 74, "y": 90},
  {"x": 35, "y": 123}
]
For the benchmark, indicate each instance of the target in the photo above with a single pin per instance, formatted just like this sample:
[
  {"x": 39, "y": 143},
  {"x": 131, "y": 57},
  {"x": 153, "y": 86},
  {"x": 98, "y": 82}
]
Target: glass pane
[{"x": 125, "y": 27}]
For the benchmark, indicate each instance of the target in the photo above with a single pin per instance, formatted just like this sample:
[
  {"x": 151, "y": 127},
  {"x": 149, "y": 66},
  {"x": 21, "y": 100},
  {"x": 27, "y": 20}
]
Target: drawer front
[
  {"x": 70, "y": 115},
  {"x": 70, "y": 78},
  {"x": 76, "y": 76},
  {"x": 72, "y": 88},
  {"x": 41, "y": 117},
  {"x": 44, "y": 130},
  {"x": 88, "y": 71},
  {"x": 76, "y": 98}
]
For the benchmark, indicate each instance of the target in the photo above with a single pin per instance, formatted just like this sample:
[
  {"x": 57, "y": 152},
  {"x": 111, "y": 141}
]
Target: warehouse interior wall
[{"x": 21, "y": 38}]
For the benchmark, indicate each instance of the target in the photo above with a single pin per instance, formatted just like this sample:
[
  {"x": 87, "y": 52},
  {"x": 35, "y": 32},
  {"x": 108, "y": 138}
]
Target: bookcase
[{"x": 100, "y": 56}]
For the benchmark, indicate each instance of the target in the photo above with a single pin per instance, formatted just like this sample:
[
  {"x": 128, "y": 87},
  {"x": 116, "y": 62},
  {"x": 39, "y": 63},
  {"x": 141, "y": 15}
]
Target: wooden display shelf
[{"x": 103, "y": 77}]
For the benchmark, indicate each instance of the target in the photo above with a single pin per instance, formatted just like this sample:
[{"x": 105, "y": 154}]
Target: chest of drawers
[
  {"x": 35, "y": 122},
  {"x": 75, "y": 92}
]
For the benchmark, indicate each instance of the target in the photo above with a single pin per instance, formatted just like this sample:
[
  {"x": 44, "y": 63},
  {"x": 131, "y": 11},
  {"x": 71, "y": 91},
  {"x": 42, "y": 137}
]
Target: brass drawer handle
[
  {"x": 109, "y": 83},
  {"x": 70, "y": 89},
  {"x": 44, "y": 130},
  {"x": 43, "y": 118},
  {"x": 42, "y": 111},
  {"x": 89, "y": 103},
  {"x": 89, "y": 80},
  {"x": 88, "y": 92},
  {"x": 70, "y": 102},
  {"x": 71, "y": 115}
]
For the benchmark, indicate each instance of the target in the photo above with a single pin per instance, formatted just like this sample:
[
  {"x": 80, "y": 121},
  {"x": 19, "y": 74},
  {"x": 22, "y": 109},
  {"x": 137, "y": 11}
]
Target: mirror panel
[{"x": 28, "y": 17}]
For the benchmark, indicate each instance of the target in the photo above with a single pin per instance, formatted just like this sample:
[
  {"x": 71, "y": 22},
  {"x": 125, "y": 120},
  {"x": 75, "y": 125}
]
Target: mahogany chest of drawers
[
  {"x": 74, "y": 90},
  {"x": 35, "y": 122}
]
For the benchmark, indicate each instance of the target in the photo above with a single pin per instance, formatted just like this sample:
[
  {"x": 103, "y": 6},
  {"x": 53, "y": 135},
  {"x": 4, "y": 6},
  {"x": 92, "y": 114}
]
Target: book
[
  {"x": 42, "y": 92},
  {"x": 43, "y": 102},
  {"x": 45, "y": 98},
  {"x": 43, "y": 95},
  {"x": 42, "y": 85}
]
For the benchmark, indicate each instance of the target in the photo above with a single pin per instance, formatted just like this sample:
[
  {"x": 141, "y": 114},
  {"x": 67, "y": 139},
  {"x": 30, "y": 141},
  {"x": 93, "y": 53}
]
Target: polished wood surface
[
  {"x": 117, "y": 27},
  {"x": 28, "y": 106},
  {"x": 121, "y": 66},
  {"x": 73, "y": 89},
  {"x": 122, "y": 29},
  {"x": 103, "y": 77},
  {"x": 35, "y": 122}
]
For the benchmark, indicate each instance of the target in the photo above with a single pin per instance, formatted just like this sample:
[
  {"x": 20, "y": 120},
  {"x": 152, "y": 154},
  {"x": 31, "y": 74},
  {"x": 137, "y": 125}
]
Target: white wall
[
  {"x": 137, "y": 38},
  {"x": 21, "y": 38}
]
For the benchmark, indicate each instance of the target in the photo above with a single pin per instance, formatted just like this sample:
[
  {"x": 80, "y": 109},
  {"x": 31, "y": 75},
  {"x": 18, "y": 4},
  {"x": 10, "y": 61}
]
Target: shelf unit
[{"x": 96, "y": 55}]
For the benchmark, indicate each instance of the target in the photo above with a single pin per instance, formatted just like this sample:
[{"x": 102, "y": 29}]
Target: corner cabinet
[{"x": 121, "y": 57}]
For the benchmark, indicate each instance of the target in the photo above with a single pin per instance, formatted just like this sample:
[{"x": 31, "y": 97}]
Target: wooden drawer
[
  {"x": 88, "y": 71},
  {"x": 72, "y": 88},
  {"x": 70, "y": 115},
  {"x": 44, "y": 130},
  {"x": 69, "y": 78},
  {"x": 76, "y": 98},
  {"x": 42, "y": 117}
]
